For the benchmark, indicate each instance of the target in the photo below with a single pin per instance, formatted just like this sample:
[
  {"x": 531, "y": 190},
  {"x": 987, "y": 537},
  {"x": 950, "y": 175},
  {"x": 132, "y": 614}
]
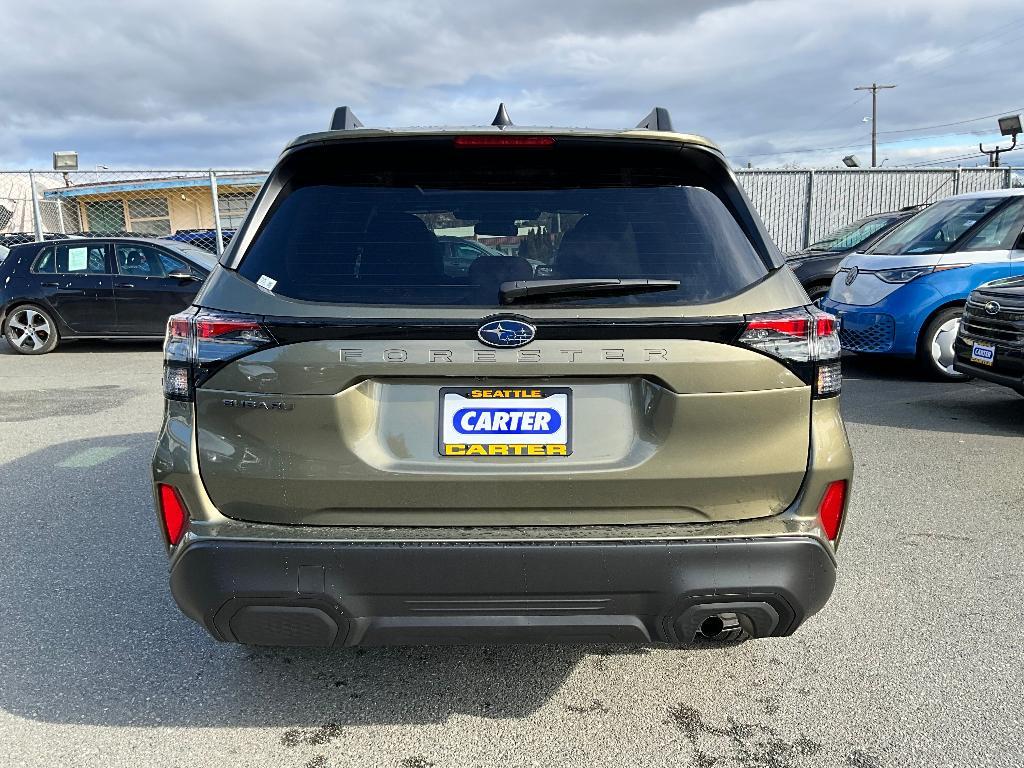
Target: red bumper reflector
[
  {"x": 173, "y": 512},
  {"x": 831, "y": 509}
]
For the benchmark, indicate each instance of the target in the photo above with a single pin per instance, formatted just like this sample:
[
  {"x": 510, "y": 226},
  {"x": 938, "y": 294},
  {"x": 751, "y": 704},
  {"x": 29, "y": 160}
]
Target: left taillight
[
  {"x": 806, "y": 340},
  {"x": 173, "y": 513},
  {"x": 197, "y": 343}
]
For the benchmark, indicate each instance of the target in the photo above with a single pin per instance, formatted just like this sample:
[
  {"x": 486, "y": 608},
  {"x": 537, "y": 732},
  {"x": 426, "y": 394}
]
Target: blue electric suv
[{"x": 905, "y": 295}]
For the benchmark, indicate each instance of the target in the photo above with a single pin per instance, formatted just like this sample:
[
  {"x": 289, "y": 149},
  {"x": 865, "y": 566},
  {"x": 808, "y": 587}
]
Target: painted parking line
[{"x": 91, "y": 457}]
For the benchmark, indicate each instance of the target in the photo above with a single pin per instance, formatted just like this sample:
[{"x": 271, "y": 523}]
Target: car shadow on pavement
[
  {"x": 91, "y": 634},
  {"x": 90, "y": 345},
  {"x": 910, "y": 400}
]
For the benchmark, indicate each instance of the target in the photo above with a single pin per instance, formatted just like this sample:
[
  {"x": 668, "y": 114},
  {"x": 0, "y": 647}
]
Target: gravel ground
[{"x": 916, "y": 661}]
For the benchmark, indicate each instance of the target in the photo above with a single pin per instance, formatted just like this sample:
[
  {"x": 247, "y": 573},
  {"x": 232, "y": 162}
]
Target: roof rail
[
  {"x": 344, "y": 120},
  {"x": 658, "y": 120}
]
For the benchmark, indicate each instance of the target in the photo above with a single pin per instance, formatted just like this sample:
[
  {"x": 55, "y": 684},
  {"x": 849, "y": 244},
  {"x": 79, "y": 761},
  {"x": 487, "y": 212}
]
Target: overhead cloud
[{"x": 191, "y": 83}]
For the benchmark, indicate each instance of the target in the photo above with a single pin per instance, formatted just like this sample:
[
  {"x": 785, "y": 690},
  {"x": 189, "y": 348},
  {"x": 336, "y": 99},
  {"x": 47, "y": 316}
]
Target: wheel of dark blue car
[{"x": 30, "y": 330}]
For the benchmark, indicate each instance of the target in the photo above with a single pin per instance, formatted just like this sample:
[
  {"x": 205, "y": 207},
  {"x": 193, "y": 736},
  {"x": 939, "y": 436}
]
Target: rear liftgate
[{"x": 664, "y": 422}]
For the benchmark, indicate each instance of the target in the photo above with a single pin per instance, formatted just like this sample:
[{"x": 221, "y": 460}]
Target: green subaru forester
[{"x": 619, "y": 424}]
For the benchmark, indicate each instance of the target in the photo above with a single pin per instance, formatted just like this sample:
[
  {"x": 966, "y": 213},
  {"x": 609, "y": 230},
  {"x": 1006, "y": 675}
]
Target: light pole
[
  {"x": 874, "y": 88},
  {"x": 1008, "y": 126}
]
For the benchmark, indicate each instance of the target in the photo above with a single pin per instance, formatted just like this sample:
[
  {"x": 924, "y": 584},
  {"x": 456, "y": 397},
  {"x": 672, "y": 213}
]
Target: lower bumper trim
[{"x": 343, "y": 593}]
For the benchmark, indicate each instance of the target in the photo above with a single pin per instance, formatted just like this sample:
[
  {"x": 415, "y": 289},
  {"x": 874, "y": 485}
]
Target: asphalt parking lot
[{"x": 916, "y": 661}]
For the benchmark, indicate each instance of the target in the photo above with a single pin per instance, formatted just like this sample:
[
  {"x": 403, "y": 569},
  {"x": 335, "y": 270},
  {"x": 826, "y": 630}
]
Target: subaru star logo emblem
[
  {"x": 852, "y": 275},
  {"x": 506, "y": 333},
  {"x": 992, "y": 308}
]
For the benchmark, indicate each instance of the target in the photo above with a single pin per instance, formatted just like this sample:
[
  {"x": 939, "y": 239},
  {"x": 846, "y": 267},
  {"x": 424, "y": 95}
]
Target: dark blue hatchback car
[{"x": 95, "y": 288}]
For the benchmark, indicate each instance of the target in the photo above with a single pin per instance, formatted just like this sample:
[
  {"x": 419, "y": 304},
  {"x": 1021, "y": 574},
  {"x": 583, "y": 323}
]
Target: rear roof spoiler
[{"x": 658, "y": 120}]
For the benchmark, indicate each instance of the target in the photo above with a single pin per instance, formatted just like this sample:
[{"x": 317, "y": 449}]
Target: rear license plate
[
  {"x": 505, "y": 421},
  {"x": 983, "y": 353}
]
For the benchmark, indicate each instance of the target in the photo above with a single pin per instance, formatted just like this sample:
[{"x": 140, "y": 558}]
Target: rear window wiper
[{"x": 527, "y": 289}]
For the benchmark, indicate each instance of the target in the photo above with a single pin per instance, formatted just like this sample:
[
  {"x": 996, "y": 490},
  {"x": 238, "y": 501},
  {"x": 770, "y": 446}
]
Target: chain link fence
[
  {"x": 189, "y": 206},
  {"x": 798, "y": 207}
]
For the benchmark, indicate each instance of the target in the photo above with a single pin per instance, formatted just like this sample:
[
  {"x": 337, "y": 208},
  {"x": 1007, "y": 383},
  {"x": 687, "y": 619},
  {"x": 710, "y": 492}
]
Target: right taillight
[
  {"x": 199, "y": 342},
  {"x": 807, "y": 340},
  {"x": 831, "y": 508}
]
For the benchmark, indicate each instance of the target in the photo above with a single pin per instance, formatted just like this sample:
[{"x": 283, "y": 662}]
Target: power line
[
  {"x": 932, "y": 136},
  {"x": 950, "y": 125},
  {"x": 805, "y": 150},
  {"x": 802, "y": 151},
  {"x": 852, "y": 104},
  {"x": 940, "y": 160}
]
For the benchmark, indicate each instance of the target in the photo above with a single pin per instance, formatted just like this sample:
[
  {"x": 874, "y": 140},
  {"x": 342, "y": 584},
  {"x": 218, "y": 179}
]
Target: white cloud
[{"x": 195, "y": 83}]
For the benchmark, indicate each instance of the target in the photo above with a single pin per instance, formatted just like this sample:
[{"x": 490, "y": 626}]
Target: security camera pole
[{"x": 874, "y": 88}]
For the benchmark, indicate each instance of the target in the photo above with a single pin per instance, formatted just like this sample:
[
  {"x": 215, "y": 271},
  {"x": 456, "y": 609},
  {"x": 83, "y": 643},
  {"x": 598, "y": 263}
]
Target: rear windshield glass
[{"x": 400, "y": 243}]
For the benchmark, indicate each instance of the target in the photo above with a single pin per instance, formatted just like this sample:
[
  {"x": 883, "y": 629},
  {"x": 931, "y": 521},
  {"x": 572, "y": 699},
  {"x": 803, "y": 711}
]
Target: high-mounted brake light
[
  {"x": 831, "y": 508},
  {"x": 509, "y": 142},
  {"x": 807, "y": 340},
  {"x": 172, "y": 512},
  {"x": 197, "y": 343}
]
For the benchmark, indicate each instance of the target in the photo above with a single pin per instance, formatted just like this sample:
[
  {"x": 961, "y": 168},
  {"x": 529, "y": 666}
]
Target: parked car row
[
  {"x": 941, "y": 283},
  {"x": 899, "y": 282},
  {"x": 906, "y": 294}
]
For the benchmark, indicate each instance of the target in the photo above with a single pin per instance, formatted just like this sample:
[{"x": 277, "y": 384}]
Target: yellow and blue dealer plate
[{"x": 505, "y": 421}]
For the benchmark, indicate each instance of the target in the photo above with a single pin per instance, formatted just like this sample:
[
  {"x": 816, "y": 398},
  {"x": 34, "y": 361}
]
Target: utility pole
[{"x": 874, "y": 88}]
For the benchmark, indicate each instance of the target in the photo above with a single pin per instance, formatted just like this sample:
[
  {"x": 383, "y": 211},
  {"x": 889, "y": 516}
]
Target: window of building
[
  {"x": 233, "y": 208},
  {"x": 142, "y": 216},
  {"x": 105, "y": 215},
  {"x": 149, "y": 216}
]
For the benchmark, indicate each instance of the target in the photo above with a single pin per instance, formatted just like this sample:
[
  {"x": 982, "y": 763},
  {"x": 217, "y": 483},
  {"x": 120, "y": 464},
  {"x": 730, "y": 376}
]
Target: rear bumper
[
  {"x": 1007, "y": 368},
  {"x": 338, "y": 593}
]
